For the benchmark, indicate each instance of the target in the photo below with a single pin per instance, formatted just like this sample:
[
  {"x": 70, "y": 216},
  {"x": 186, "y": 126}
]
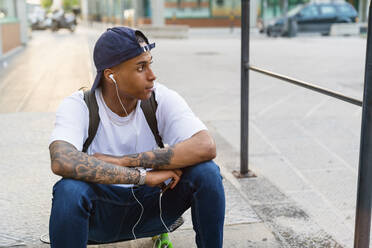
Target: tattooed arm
[
  {"x": 199, "y": 148},
  {"x": 67, "y": 161}
]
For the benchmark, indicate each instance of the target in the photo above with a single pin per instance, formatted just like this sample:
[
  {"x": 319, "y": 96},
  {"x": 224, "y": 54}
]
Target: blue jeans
[{"x": 87, "y": 212}]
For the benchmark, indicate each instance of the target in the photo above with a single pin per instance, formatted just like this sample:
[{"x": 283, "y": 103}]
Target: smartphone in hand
[{"x": 166, "y": 185}]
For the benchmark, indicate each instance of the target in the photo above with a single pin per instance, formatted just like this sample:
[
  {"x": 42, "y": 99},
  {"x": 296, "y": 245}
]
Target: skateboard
[{"x": 160, "y": 241}]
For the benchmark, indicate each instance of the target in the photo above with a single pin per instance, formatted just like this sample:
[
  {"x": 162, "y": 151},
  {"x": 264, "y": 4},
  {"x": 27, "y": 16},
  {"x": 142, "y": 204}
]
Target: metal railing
[{"x": 364, "y": 192}]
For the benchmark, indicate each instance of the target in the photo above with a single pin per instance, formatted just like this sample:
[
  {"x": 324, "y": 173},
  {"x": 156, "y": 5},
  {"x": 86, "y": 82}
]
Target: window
[
  {"x": 220, "y": 2},
  {"x": 309, "y": 11},
  {"x": 7, "y": 9},
  {"x": 346, "y": 9},
  {"x": 327, "y": 10}
]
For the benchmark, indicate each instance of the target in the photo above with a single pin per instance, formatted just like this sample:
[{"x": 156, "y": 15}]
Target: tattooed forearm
[
  {"x": 67, "y": 161},
  {"x": 157, "y": 159},
  {"x": 133, "y": 160}
]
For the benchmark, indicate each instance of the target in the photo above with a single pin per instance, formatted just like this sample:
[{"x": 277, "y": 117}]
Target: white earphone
[
  {"x": 137, "y": 133},
  {"x": 112, "y": 78}
]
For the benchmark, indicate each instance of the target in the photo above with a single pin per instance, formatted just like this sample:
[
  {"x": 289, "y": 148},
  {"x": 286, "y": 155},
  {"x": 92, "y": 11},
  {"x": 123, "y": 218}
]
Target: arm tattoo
[
  {"x": 157, "y": 159},
  {"x": 67, "y": 161}
]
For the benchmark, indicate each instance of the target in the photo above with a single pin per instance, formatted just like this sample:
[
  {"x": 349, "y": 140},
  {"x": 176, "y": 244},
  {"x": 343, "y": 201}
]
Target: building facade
[
  {"x": 194, "y": 13},
  {"x": 13, "y": 25}
]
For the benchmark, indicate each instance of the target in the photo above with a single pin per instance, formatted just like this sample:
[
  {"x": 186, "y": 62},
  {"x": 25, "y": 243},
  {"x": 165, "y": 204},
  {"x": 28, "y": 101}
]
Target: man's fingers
[
  {"x": 176, "y": 179},
  {"x": 178, "y": 172},
  {"x": 157, "y": 178}
]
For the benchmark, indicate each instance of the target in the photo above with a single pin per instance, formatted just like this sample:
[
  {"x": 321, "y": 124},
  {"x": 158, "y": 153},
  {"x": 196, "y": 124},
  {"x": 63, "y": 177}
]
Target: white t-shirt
[{"x": 120, "y": 136}]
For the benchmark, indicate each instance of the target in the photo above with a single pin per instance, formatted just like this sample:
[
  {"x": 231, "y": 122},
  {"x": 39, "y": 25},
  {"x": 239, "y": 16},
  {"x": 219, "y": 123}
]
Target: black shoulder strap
[
  {"x": 91, "y": 101},
  {"x": 149, "y": 109}
]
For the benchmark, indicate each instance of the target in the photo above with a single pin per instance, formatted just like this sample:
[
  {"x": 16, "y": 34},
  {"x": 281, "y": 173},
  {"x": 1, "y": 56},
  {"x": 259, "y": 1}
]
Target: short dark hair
[{"x": 141, "y": 38}]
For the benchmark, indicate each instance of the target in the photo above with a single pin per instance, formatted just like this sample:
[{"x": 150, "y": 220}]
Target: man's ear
[{"x": 106, "y": 75}]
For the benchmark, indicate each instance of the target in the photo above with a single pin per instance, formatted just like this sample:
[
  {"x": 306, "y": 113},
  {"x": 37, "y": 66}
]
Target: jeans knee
[
  {"x": 70, "y": 187},
  {"x": 70, "y": 193},
  {"x": 206, "y": 174}
]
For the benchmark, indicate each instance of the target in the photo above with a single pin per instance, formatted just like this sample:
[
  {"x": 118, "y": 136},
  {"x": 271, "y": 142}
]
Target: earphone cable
[
  {"x": 122, "y": 105},
  {"x": 161, "y": 194},
  {"x": 161, "y": 218},
  {"x": 139, "y": 219},
  {"x": 117, "y": 93}
]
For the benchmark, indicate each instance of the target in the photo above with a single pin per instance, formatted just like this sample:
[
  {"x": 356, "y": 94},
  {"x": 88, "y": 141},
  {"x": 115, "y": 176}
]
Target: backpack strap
[
  {"x": 149, "y": 108},
  {"x": 91, "y": 102}
]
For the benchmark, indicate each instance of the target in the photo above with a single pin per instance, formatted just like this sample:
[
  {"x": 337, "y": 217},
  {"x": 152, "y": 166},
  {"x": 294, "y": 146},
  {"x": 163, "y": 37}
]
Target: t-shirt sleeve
[
  {"x": 72, "y": 121},
  {"x": 176, "y": 121}
]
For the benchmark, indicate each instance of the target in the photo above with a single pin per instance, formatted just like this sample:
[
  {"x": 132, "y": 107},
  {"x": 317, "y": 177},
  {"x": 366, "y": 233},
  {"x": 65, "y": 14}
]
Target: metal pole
[
  {"x": 285, "y": 8},
  {"x": 363, "y": 207},
  {"x": 244, "y": 94},
  {"x": 122, "y": 12}
]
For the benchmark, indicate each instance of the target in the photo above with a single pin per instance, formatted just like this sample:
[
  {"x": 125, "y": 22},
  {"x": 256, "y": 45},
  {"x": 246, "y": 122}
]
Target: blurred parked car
[
  {"x": 3, "y": 13},
  {"x": 38, "y": 19},
  {"x": 62, "y": 20},
  {"x": 312, "y": 17}
]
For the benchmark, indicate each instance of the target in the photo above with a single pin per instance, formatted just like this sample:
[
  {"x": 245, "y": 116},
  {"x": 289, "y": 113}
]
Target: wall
[
  {"x": 11, "y": 37},
  {"x": 198, "y": 22},
  {"x": 14, "y": 29}
]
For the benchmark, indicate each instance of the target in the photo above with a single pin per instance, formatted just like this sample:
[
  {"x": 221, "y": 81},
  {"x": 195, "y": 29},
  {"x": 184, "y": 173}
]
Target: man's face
[{"x": 134, "y": 77}]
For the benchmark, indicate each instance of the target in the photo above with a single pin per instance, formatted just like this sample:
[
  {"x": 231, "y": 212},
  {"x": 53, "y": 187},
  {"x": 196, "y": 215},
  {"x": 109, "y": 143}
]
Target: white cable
[
  {"x": 139, "y": 219},
  {"x": 161, "y": 218},
  {"x": 122, "y": 105},
  {"x": 117, "y": 93},
  {"x": 135, "y": 148},
  {"x": 161, "y": 194}
]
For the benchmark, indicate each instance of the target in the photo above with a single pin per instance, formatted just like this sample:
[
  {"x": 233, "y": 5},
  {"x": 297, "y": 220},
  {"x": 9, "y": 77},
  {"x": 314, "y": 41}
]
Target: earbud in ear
[{"x": 112, "y": 78}]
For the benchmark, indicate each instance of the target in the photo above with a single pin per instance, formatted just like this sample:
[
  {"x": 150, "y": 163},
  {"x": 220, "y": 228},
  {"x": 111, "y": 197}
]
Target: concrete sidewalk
[
  {"x": 290, "y": 204},
  {"x": 28, "y": 182},
  {"x": 257, "y": 213}
]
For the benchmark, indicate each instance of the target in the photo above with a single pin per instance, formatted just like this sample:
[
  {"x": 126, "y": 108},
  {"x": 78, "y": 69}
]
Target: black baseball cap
[{"x": 116, "y": 45}]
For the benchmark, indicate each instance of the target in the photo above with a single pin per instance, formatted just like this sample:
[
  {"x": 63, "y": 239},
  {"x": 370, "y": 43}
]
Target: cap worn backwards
[{"x": 116, "y": 45}]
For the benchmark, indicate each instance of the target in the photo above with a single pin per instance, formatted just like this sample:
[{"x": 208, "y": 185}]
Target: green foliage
[
  {"x": 69, "y": 4},
  {"x": 46, "y": 4}
]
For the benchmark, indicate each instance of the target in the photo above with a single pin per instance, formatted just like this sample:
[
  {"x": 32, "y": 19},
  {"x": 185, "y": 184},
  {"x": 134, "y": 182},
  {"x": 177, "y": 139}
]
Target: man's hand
[
  {"x": 153, "y": 178},
  {"x": 156, "y": 178}
]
